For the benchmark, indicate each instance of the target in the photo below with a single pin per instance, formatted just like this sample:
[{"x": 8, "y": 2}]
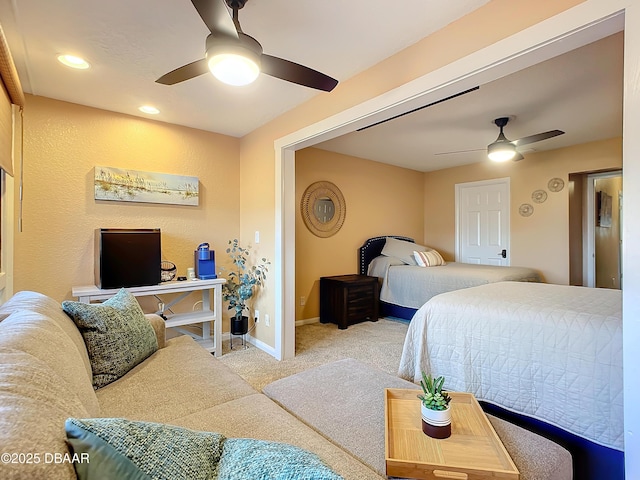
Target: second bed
[{"x": 407, "y": 286}]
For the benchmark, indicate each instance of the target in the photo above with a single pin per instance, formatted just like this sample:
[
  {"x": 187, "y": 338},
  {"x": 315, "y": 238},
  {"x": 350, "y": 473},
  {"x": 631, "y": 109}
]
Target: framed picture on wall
[
  {"x": 603, "y": 209},
  {"x": 147, "y": 187}
]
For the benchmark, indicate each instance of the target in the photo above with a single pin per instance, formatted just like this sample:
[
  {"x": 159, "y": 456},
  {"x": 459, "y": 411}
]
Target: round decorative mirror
[{"x": 323, "y": 209}]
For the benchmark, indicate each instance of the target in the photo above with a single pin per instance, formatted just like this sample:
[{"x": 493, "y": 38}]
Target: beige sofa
[{"x": 45, "y": 378}]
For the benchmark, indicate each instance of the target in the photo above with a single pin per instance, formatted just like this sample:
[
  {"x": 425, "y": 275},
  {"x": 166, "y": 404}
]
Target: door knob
[{"x": 503, "y": 253}]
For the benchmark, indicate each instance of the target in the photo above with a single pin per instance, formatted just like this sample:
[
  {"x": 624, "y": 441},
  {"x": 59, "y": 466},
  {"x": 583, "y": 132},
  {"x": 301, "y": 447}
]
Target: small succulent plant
[{"x": 433, "y": 397}]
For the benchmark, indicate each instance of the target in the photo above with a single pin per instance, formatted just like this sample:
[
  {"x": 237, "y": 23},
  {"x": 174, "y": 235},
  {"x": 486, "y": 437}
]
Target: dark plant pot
[
  {"x": 436, "y": 432},
  {"x": 239, "y": 325}
]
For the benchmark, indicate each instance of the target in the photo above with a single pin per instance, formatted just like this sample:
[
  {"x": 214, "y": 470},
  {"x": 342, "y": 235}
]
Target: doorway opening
[{"x": 595, "y": 229}]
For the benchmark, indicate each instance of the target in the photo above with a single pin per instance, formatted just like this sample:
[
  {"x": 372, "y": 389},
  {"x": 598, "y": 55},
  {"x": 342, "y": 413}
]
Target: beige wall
[
  {"x": 541, "y": 240},
  {"x": 494, "y": 21},
  {"x": 68, "y": 140},
  {"x": 380, "y": 199},
  {"x": 63, "y": 143}
]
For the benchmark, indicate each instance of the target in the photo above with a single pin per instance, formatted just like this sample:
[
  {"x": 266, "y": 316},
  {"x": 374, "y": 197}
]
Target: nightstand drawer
[
  {"x": 360, "y": 291},
  {"x": 349, "y": 299}
]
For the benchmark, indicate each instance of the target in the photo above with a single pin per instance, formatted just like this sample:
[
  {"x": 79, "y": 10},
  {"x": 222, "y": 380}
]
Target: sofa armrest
[{"x": 157, "y": 323}]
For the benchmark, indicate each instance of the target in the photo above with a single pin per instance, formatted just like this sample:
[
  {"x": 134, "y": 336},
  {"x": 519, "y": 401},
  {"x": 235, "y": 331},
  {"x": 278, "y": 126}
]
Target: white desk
[{"x": 212, "y": 341}]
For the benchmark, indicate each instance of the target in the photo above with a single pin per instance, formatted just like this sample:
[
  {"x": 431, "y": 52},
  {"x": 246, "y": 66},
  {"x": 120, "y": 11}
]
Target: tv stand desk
[{"x": 211, "y": 340}]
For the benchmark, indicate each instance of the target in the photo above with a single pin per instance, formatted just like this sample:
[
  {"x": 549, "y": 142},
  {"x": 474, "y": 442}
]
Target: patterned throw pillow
[
  {"x": 119, "y": 448},
  {"x": 258, "y": 459},
  {"x": 116, "y": 333},
  {"x": 430, "y": 258}
]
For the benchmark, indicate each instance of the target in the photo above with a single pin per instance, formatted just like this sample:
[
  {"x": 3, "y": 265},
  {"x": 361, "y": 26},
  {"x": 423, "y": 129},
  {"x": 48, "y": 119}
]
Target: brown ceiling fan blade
[
  {"x": 296, "y": 73},
  {"x": 538, "y": 137},
  {"x": 216, "y": 17},
  {"x": 186, "y": 72}
]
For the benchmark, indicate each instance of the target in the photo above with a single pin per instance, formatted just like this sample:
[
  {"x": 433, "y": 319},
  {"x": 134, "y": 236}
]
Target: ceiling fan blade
[
  {"x": 538, "y": 137},
  {"x": 186, "y": 72},
  {"x": 518, "y": 157},
  {"x": 460, "y": 151},
  {"x": 296, "y": 73},
  {"x": 216, "y": 17}
]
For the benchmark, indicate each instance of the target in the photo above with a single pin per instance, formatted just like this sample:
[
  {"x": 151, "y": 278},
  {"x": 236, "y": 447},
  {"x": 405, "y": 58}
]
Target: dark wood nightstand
[{"x": 349, "y": 299}]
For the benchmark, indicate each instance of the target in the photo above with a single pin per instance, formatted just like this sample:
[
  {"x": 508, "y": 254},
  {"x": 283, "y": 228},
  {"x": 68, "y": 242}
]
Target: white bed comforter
[
  {"x": 552, "y": 352},
  {"x": 411, "y": 286}
]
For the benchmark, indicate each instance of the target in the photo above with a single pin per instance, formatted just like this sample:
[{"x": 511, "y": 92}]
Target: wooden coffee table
[{"x": 472, "y": 452}]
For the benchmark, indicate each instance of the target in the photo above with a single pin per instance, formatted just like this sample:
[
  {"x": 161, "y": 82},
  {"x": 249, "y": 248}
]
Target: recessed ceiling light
[
  {"x": 149, "y": 109},
  {"x": 73, "y": 61}
]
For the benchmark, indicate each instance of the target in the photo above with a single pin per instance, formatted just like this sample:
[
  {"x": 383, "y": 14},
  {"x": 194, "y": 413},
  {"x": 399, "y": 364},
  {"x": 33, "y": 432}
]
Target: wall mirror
[{"x": 323, "y": 208}]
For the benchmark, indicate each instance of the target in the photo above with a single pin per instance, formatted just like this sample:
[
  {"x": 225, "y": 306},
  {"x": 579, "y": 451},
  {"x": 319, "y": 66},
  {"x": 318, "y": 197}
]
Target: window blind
[{"x": 11, "y": 92}]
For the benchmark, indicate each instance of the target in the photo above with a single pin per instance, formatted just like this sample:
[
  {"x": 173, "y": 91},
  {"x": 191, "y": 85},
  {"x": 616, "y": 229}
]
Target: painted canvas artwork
[{"x": 147, "y": 187}]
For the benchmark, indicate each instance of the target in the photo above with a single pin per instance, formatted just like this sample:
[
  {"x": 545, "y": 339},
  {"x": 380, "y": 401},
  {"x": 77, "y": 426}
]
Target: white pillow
[
  {"x": 430, "y": 258},
  {"x": 402, "y": 250}
]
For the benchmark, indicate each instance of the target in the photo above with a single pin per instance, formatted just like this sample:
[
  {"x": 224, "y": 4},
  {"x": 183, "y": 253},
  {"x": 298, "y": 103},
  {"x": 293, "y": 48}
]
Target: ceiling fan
[
  {"x": 236, "y": 58},
  {"x": 503, "y": 149}
]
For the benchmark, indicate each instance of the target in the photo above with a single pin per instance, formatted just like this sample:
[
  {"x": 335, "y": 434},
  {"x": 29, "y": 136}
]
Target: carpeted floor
[{"x": 375, "y": 343}]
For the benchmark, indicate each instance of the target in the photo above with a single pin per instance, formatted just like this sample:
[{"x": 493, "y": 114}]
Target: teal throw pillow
[
  {"x": 246, "y": 458},
  {"x": 116, "y": 333},
  {"x": 115, "y": 448}
]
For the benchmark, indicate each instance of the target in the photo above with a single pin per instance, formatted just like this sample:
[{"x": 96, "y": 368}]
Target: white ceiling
[
  {"x": 132, "y": 43},
  {"x": 579, "y": 93}
]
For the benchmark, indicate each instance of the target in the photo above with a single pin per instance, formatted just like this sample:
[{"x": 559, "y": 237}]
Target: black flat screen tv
[{"x": 127, "y": 257}]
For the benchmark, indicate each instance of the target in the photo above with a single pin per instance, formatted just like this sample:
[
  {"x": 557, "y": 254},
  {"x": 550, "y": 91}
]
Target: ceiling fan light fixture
[
  {"x": 501, "y": 151},
  {"x": 234, "y": 61},
  {"x": 234, "y": 69}
]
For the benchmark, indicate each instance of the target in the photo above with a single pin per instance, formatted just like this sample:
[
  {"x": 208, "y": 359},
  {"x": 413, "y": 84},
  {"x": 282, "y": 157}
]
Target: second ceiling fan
[
  {"x": 503, "y": 149},
  {"x": 236, "y": 58}
]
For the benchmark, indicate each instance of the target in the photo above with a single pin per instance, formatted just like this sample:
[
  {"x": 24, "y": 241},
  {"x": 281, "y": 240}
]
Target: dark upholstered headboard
[{"x": 372, "y": 248}]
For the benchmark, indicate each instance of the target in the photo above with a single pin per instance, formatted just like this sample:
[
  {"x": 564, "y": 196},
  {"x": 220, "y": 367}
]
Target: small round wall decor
[
  {"x": 526, "y": 210},
  {"x": 539, "y": 196},
  {"x": 555, "y": 184}
]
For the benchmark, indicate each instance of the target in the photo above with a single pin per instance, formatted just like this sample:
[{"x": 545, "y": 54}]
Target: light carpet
[{"x": 375, "y": 343}]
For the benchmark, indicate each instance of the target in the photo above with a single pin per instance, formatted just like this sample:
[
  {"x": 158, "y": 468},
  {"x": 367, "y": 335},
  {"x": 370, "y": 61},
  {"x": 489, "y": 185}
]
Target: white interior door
[{"x": 482, "y": 222}]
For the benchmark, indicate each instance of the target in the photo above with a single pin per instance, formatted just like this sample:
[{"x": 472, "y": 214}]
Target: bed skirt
[
  {"x": 590, "y": 460},
  {"x": 391, "y": 310}
]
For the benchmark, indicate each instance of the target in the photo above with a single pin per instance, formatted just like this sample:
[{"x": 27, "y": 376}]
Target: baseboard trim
[
  {"x": 262, "y": 346},
  {"x": 226, "y": 336},
  {"x": 307, "y": 321}
]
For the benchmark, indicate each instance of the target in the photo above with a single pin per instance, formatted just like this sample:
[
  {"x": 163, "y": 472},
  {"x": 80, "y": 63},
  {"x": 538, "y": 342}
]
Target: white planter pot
[{"x": 437, "y": 418}]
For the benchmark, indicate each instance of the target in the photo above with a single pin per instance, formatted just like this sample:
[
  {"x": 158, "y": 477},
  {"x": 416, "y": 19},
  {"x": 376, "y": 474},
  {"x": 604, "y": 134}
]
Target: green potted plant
[
  {"x": 242, "y": 283},
  {"x": 435, "y": 408}
]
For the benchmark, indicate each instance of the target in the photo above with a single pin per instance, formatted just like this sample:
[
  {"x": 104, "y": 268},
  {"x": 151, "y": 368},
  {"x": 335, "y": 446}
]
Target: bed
[
  {"x": 407, "y": 286},
  {"x": 549, "y": 354}
]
